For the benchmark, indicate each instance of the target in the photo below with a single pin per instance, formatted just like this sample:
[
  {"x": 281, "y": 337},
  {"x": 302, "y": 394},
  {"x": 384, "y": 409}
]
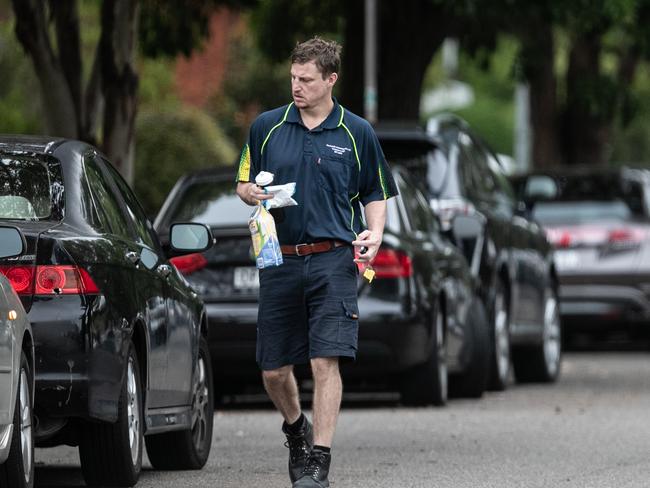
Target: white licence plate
[
  {"x": 566, "y": 259},
  {"x": 246, "y": 277}
]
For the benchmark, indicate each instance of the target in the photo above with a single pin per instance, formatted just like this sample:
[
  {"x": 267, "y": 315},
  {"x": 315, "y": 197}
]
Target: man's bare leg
[
  {"x": 282, "y": 388},
  {"x": 328, "y": 389}
]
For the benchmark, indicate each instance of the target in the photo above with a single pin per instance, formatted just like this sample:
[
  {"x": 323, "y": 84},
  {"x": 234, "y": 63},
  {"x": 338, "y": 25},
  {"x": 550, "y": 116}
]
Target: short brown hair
[{"x": 326, "y": 55}]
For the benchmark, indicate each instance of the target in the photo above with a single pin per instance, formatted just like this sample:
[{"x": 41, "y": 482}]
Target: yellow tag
[{"x": 369, "y": 274}]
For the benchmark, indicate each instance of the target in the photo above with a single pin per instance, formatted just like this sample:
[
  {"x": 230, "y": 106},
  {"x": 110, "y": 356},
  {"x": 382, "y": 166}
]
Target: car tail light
[
  {"x": 619, "y": 238},
  {"x": 49, "y": 280},
  {"x": 392, "y": 264},
  {"x": 447, "y": 209},
  {"x": 626, "y": 236},
  {"x": 190, "y": 263},
  {"x": 20, "y": 277}
]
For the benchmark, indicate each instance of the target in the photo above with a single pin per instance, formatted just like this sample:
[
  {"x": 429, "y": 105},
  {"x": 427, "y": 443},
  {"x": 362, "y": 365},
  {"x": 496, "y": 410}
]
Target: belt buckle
[{"x": 300, "y": 246}]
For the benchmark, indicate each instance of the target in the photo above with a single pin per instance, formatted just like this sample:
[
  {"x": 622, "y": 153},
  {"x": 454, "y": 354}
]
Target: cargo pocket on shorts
[{"x": 349, "y": 324}]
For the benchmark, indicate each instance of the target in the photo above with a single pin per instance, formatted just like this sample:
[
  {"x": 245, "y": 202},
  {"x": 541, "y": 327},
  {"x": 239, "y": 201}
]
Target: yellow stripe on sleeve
[{"x": 244, "y": 173}]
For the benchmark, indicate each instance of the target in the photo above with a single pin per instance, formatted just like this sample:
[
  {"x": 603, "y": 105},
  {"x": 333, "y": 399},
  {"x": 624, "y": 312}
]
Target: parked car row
[
  {"x": 111, "y": 327},
  {"x": 465, "y": 284},
  {"x": 112, "y": 336}
]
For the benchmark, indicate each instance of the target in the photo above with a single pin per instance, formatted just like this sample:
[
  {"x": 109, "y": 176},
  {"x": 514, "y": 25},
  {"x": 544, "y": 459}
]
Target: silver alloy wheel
[
  {"x": 441, "y": 356},
  {"x": 552, "y": 346},
  {"x": 501, "y": 336},
  {"x": 133, "y": 411},
  {"x": 26, "y": 437},
  {"x": 200, "y": 407}
]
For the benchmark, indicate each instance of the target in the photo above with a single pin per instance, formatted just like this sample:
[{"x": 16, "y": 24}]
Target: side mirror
[
  {"x": 468, "y": 235},
  {"x": 189, "y": 238},
  {"x": 12, "y": 242}
]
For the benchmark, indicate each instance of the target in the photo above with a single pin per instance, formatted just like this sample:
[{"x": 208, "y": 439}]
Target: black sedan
[
  {"x": 511, "y": 255},
  {"x": 420, "y": 318},
  {"x": 119, "y": 336},
  {"x": 599, "y": 221}
]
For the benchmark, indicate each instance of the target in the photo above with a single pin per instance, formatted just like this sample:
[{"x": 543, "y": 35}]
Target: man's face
[{"x": 308, "y": 87}]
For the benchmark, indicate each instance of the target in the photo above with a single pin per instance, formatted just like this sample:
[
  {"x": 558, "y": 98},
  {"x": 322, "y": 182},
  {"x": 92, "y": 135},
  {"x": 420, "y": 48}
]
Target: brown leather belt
[{"x": 307, "y": 249}]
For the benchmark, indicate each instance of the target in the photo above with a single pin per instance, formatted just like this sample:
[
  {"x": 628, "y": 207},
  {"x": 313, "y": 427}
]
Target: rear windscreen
[
  {"x": 588, "y": 198},
  {"x": 573, "y": 213},
  {"x": 211, "y": 203},
  {"x": 25, "y": 189}
]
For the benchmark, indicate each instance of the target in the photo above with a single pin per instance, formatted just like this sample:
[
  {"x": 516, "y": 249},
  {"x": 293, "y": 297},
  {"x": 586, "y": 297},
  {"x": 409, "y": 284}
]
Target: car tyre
[
  {"x": 189, "y": 449},
  {"x": 18, "y": 470},
  {"x": 111, "y": 453},
  {"x": 499, "y": 339},
  {"x": 472, "y": 382},
  {"x": 541, "y": 363},
  {"x": 428, "y": 383}
]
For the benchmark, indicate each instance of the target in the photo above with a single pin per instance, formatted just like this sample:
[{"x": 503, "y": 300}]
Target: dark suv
[{"x": 511, "y": 256}]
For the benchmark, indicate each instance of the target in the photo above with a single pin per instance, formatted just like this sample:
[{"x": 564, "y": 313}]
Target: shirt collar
[{"x": 331, "y": 122}]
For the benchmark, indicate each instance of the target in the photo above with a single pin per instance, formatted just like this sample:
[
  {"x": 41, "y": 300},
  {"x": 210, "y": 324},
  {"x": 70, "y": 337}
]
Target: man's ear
[{"x": 331, "y": 79}]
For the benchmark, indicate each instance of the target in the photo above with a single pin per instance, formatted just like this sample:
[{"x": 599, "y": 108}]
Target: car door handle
[
  {"x": 164, "y": 270},
  {"x": 133, "y": 257}
]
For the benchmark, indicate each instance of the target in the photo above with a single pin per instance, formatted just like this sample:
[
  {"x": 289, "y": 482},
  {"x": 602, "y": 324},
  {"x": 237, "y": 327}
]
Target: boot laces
[
  {"x": 314, "y": 464},
  {"x": 298, "y": 447}
]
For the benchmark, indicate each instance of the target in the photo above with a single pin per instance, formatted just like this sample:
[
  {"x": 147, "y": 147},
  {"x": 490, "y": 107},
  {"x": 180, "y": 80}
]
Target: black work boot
[
  {"x": 316, "y": 470},
  {"x": 299, "y": 445}
]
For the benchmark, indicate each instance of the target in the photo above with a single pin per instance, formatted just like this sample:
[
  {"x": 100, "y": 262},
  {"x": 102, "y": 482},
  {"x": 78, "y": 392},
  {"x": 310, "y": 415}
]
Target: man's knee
[
  {"x": 325, "y": 367},
  {"x": 277, "y": 376}
]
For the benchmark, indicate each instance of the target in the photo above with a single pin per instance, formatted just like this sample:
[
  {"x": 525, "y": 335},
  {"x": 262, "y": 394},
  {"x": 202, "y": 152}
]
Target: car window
[
  {"x": 482, "y": 178},
  {"x": 419, "y": 216},
  {"x": 209, "y": 202},
  {"x": 616, "y": 197},
  {"x": 25, "y": 188},
  {"x": 442, "y": 181},
  {"x": 142, "y": 226},
  {"x": 572, "y": 213},
  {"x": 104, "y": 207}
]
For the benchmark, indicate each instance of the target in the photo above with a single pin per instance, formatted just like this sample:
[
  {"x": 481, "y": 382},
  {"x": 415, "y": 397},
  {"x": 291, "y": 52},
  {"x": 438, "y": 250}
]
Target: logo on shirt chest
[{"x": 339, "y": 151}]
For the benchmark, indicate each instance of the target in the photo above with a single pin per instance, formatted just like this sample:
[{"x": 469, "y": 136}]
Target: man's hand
[
  {"x": 251, "y": 194},
  {"x": 371, "y": 240}
]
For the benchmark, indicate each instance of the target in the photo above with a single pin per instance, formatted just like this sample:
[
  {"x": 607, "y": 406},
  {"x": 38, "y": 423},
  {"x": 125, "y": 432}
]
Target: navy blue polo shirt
[{"x": 336, "y": 166}]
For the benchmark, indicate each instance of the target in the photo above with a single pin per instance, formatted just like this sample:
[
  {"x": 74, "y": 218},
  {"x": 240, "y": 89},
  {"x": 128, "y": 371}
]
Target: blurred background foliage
[
  {"x": 171, "y": 143},
  {"x": 500, "y": 45}
]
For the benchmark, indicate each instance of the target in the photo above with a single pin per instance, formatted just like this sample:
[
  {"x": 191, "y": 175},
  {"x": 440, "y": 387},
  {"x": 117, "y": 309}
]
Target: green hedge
[{"x": 170, "y": 144}]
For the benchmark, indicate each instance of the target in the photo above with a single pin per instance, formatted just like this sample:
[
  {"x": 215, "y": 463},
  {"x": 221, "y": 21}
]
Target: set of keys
[{"x": 368, "y": 272}]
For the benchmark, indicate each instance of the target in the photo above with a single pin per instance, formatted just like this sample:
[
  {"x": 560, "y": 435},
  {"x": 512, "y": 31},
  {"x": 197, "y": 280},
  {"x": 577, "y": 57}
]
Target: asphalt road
[{"x": 592, "y": 429}]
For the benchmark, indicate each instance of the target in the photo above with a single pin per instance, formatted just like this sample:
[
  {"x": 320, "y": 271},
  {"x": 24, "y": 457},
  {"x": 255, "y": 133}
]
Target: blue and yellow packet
[{"x": 266, "y": 245}]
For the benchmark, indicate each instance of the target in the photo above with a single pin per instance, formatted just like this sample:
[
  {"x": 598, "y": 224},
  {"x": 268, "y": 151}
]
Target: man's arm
[
  {"x": 371, "y": 238},
  {"x": 251, "y": 194}
]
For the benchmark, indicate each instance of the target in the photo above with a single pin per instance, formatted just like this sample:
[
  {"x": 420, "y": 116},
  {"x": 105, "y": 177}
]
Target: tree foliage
[{"x": 171, "y": 144}]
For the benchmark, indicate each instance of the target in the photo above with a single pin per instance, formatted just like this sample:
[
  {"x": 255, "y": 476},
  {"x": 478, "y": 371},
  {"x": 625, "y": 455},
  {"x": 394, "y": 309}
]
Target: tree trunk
[
  {"x": 408, "y": 38},
  {"x": 119, "y": 81},
  {"x": 66, "y": 17},
  {"x": 586, "y": 129},
  {"x": 32, "y": 32},
  {"x": 538, "y": 57},
  {"x": 352, "y": 72}
]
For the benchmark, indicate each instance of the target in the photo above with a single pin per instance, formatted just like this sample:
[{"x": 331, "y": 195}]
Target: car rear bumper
[
  {"x": 595, "y": 305},
  {"x": 78, "y": 371},
  {"x": 389, "y": 341}
]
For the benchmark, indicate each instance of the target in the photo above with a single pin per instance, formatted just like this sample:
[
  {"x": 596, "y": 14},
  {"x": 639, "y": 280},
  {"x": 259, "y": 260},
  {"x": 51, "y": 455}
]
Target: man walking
[{"x": 308, "y": 305}]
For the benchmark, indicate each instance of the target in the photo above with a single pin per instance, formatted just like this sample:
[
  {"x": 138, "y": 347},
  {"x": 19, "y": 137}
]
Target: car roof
[
  {"x": 641, "y": 174},
  {"x": 213, "y": 172},
  {"x": 29, "y": 143},
  {"x": 403, "y": 139}
]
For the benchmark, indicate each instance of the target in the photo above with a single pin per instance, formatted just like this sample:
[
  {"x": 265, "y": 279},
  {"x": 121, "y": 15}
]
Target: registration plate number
[
  {"x": 246, "y": 277},
  {"x": 566, "y": 259}
]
